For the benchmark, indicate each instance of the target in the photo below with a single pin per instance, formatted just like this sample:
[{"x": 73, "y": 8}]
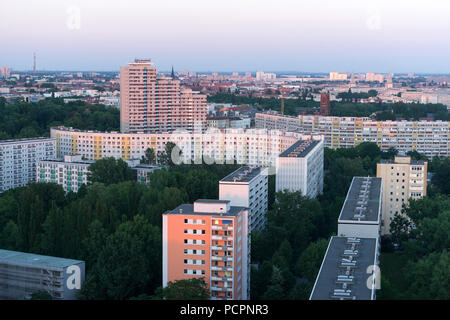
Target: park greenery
[
  {"x": 347, "y": 107},
  {"x": 27, "y": 120}
]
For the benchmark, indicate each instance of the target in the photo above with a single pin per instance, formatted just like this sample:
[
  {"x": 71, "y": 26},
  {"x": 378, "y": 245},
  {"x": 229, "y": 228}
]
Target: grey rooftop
[
  {"x": 31, "y": 259},
  {"x": 363, "y": 200},
  {"x": 299, "y": 149},
  {"x": 243, "y": 174}
]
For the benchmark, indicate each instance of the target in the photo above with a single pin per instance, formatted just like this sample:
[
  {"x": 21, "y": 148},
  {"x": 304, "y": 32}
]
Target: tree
[
  {"x": 275, "y": 289},
  {"x": 149, "y": 157},
  {"x": 189, "y": 289},
  {"x": 41, "y": 295},
  {"x": 110, "y": 171},
  {"x": 169, "y": 157},
  {"x": 399, "y": 228},
  {"x": 310, "y": 260}
]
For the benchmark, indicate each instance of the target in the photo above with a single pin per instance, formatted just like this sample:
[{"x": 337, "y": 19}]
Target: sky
[{"x": 397, "y": 36}]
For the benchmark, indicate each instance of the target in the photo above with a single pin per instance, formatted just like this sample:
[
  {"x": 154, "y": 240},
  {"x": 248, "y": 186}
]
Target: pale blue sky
[{"x": 231, "y": 35}]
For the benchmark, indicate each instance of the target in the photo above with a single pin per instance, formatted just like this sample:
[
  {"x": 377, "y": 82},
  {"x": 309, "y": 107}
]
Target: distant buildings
[
  {"x": 5, "y": 72},
  {"x": 18, "y": 160},
  {"x": 337, "y": 76},
  {"x": 427, "y": 137},
  {"x": 208, "y": 239},
  {"x": 370, "y": 76},
  {"x": 261, "y": 76},
  {"x": 223, "y": 122},
  {"x": 153, "y": 103},
  {"x": 247, "y": 187},
  {"x": 403, "y": 178},
  {"x": 22, "y": 274},
  {"x": 324, "y": 104},
  {"x": 300, "y": 168}
]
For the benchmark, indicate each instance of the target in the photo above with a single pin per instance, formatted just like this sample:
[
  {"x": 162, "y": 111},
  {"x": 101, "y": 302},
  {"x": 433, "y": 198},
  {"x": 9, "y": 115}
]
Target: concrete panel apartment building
[
  {"x": 403, "y": 178},
  {"x": 155, "y": 103},
  {"x": 300, "y": 168},
  {"x": 208, "y": 239},
  {"x": 255, "y": 147},
  {"x": 22, "y": 274},
  {"x": 72, "y": 172},
  {"x": 18, "y": 160},
  {"x": 430, "y": 138},
  {"x": 247, "y": 187},
  {"x": 350, "y": 267}
]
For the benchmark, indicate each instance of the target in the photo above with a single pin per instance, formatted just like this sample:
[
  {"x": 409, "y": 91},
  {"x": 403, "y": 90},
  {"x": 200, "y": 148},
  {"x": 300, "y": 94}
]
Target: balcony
[
  {"x": 221, "y": 268},
  {"x": 218, "y": 278},
  {"x": 216, "y": 227},
  {"x": 221, "y": 248},
  {"x": 221, "y": 258},
  {"x": 222, "y": 237},
  {"x": 222, "y": 289}
]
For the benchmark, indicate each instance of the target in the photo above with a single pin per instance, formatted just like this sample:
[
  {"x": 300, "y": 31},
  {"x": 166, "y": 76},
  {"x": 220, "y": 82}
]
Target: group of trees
[
  {"x": 423, "y": 262},
  {"x": 25, "y": 120},
  {"x": 348, "y": 107},
  {"x": 114, "y": 224}
]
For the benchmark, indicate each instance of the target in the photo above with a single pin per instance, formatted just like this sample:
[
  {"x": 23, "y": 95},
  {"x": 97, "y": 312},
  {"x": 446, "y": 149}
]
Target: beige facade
[
  {"x": 402, "y": 178},
  {"x": 153, "y": 103}
]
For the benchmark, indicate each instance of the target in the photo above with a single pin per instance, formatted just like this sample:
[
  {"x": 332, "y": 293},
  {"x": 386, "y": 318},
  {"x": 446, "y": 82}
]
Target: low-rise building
[{"x": 23, "y": 274}]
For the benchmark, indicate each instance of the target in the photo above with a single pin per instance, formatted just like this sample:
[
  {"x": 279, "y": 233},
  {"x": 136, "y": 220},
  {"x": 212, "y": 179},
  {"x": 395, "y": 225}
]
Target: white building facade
[
  {"x": 300, "y": 168},
  {"x": 18, "y": 160}
]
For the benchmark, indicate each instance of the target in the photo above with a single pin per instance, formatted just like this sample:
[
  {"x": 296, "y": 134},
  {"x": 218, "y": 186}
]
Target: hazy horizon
[{"x": 224, "y": 36}]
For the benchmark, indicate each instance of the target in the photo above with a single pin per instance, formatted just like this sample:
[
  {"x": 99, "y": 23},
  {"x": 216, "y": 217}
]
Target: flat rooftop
[
  {"x": 27, "y": 140},
  {"x": 352, "y": 276},
  {"x": 189, "y": 209},
  {"x": 243, "y": 174},
  {"x": 299, "y": 149},
  {"x": 22, "y": 258},
  {"x": 390, "y": 161},
  {"x": 363, "y": 200}
]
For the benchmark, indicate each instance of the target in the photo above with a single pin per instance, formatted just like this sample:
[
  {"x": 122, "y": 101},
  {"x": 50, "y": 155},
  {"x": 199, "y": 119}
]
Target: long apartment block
[
  {"x": 300, "y": 168},
  {"x": 350, "y": 267},
  {"x": 427, "y": 137},
  {"x": 403, "y": 178},
  {"x": 361, "y": 213},
  {"x": 150, "y": 102},
  {"x": 18, "y": 160},
  {"x": 255, "y": 147},
  {"x": 208, "y": 239}
]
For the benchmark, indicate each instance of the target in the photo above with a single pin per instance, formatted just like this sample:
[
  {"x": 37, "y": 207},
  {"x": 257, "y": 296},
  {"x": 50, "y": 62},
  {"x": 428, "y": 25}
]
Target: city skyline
[{"x": 323, "y": 36}]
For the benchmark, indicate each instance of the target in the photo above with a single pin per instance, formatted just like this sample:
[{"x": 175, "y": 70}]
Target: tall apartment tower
[
  {"x": 152, "y": 103},
  {"x": 247, "y": 187},
  {"x": 324, "y": 104},
  {"x": 402, "y": 179},
  {"x": 208, "y": 239},
  {"x": 300, "y": 168}
]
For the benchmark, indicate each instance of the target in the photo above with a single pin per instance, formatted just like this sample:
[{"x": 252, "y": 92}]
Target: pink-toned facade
[
  {"x": 208, "y": 239},
  {"x": 151, "y": 103}
]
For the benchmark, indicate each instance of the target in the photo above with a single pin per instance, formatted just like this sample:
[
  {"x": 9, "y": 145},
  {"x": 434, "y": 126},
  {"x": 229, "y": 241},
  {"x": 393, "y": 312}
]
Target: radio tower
[{"x": 34, "y": 62}]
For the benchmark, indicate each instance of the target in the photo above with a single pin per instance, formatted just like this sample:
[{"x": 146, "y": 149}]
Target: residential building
[
  {"x": 72, "y": 172},
  {"x": 324, "y": 104},
  {"x": 403, "y": 178},
  {"x": 154, "y": 103},
  {"x": 427, "y": 137},
  {"x": 5, "y": 72},
  {"x": 247, "y": 187},
  {"x": 208, "y": 239},
  {"x": 255, "y": 147},
  {"x": 361, "y": 213},
  {"x": 349, "y": 270},
  {"x": 338, "y": 76},
  {"x": 300, "y": 168},
  {"x": 22, "y": 274},
  {"x": 18, "y": 160}
]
